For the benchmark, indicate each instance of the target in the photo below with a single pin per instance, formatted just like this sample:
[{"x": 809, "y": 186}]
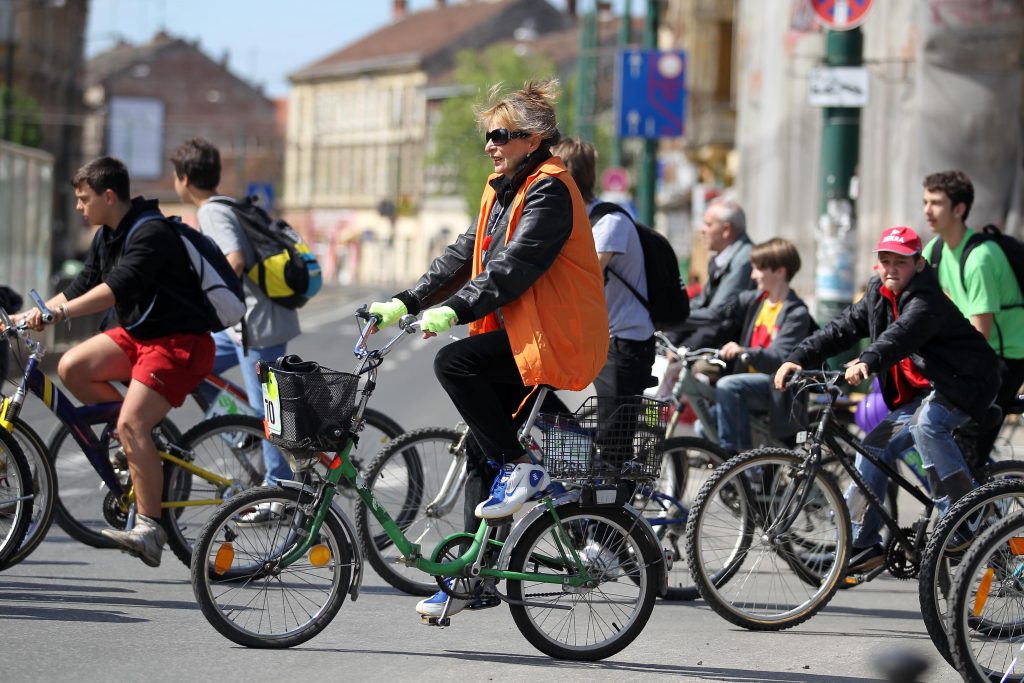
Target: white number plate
[{"x": 271, "y": 405}]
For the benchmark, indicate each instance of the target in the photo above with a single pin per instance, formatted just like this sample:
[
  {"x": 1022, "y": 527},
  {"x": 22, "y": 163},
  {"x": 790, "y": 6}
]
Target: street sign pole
[
  {"x": 840, "y": 149},
  {"x": 624, "y": 39},
  {"x": 648, "y": 158}
]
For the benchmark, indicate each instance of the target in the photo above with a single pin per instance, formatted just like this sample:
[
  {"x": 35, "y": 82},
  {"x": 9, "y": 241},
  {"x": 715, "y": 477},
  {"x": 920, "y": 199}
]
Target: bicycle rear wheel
[
  {"x": 757, "y": 531},
  {"x": 242, "y": 589},
  {"x": 601, "y": 619},
  {"x": 230, "y": 446},
  {"x": 948, "y": 542},
  {"x": 419, "y": 479},
  {"x": 695, "y": 459},
  {"x": 986, "y": 619},
  {"x": 84, "y": 505},
  {"x": 15, "y": 496},
  {"x": 44, "y": 490}
]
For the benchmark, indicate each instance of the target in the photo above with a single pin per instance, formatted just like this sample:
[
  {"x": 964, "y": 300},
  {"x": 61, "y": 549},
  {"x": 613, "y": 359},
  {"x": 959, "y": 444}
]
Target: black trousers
[
  {"x": 627, "y": 372},
  {"x": 1011, "y": 376},
  {"x": 480, "y": 375}
]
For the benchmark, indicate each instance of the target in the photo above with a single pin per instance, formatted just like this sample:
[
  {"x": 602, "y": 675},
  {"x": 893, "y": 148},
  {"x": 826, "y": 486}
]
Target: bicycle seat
[
  {"x": 294, "y": 363},
  {"x": 1016, "y": 406}
]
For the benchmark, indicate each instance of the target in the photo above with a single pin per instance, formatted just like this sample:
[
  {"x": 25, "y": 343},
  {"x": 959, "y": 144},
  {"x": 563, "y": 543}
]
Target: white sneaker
[
  {"x": 145, "y": 541},
  {"x": 434, "y": 605},
  {"x": 513, "y": 486},
  {"x": 261, "y": 514}
]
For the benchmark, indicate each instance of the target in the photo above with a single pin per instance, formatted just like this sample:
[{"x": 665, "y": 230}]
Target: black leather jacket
[
  {"x": 930, "y": 329},
  {"x": 509, "y": 269}
]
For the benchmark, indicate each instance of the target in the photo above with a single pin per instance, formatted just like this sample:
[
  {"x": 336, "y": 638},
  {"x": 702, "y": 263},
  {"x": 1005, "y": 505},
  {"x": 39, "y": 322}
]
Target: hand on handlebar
[
  {"x": 730, "y": 350},
  {"x": 435, "y": 320},
  {"x": 32, "y": 319},
  {"x": 389, "y": 312},
  {"x": 783, "y": 373}
]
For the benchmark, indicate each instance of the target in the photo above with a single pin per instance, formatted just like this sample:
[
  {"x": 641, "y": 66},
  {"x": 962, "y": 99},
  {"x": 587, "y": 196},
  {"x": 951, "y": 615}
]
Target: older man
[{"x": 725, "y": 233}]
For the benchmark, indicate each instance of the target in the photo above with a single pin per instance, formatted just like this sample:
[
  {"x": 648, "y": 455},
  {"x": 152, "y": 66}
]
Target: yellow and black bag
[{"x": 285, "y": 270}]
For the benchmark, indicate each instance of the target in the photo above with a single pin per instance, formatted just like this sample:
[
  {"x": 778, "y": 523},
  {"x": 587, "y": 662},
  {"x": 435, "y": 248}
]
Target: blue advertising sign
[
  {"x": 264, "y": 192},
  {"x": 651, "y": 95}
]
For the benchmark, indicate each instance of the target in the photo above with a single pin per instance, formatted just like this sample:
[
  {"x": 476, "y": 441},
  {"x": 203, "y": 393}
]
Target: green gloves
[
  {"x": 389, "y": 312},
  {"x": 438, "y": 319}
]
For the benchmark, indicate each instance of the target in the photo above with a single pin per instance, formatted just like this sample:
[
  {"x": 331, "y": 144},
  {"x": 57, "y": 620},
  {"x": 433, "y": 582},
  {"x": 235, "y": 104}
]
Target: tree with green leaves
[{"x": 24, "y": 121}]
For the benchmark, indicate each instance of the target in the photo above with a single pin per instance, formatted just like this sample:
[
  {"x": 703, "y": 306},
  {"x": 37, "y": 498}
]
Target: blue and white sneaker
[
  {"x": 434, "y": 605},
  {"x": 514, "y": 485}
]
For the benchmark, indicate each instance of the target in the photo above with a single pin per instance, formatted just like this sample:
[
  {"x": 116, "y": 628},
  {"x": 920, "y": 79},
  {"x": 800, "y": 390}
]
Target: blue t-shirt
[{"x": 627, "y": 317}]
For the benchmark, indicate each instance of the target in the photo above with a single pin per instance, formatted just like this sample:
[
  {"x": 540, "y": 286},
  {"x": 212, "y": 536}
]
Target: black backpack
[
  {"x": 667, "y": 302},
  {"x": 1012, "y": 248},
  {"x": 286, "y": 270}
]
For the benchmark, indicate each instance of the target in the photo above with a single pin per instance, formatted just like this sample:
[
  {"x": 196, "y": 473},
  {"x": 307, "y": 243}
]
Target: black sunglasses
[{"x": 501, "y": 136}]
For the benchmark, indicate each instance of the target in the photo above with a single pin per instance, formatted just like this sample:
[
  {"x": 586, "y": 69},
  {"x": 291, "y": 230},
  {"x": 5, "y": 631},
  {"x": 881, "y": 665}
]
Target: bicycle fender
[
  {"x": 568, "y": 498},
  {"x": 356, "y": 581}
]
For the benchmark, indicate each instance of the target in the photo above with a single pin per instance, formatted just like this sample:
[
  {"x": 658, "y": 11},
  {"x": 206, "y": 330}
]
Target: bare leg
[
  {"x": 143, "y": 409},
  {"x": 88, "y": 369}
]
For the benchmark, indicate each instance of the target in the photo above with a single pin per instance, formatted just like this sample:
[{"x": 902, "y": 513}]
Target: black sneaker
[{"x": 863, "y": 560}]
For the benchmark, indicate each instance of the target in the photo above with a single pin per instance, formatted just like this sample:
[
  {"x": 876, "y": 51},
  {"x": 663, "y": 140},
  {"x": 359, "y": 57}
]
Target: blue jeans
[
  {"x": 735, "y": 396},
  {"x": 927, "y": 424},
  {"x": 229, "y": 354}
]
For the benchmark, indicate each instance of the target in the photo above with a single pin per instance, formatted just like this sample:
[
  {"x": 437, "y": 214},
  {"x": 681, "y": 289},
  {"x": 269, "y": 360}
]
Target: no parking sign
[{"x": 841, "y": 15}]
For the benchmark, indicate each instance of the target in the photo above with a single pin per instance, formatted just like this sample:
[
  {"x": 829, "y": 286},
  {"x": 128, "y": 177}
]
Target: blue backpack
[{"x": 223, "y": 303}]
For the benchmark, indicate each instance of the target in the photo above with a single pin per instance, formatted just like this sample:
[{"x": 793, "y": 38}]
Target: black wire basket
[
  {"x": 608, "y": 437},
  {"x": 316, "y": 406}
]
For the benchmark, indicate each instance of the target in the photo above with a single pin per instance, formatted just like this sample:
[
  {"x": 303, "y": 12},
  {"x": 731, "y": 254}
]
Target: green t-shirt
[{"x": 991, "y": 288}]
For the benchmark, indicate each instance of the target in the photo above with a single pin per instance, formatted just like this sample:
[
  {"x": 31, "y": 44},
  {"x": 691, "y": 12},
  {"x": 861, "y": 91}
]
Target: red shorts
[{"x": 172, "y": 366}]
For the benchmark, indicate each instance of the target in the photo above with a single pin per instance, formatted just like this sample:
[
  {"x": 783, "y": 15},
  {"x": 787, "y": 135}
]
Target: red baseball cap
[{"x": 899, "y": 240}]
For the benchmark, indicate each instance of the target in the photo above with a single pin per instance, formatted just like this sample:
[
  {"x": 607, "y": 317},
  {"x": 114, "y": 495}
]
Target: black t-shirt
[{"x": 156, "y": 292}]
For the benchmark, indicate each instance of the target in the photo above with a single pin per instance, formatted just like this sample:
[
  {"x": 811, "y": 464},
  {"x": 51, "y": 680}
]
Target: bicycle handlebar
[
  {"x": 47, "y": 316},
  {"x": 829, "y": 379}
]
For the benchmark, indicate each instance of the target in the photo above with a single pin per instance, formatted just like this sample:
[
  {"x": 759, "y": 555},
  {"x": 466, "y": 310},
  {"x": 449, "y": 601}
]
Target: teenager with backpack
[
  {"x": 268, "y": 326},
  {"x": 976, "y": 273},
  {"x": 162, "y": 346}
]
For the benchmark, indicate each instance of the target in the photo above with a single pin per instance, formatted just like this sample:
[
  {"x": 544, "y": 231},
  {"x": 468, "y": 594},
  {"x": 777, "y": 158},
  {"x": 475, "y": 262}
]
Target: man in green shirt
[{"x": 987, "y": 293}]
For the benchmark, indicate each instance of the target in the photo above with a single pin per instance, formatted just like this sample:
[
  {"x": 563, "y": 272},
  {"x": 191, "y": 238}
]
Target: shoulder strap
[
  {"x": 975, "y": 239},
  {"x": 601, "y": 210},
  {"x": 144, "y": 217}
]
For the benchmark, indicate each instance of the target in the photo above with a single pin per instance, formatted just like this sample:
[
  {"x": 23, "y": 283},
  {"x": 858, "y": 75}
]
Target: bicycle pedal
[
  {"x": 484, "y": 603},
  {"x": 440, "y": 622}
]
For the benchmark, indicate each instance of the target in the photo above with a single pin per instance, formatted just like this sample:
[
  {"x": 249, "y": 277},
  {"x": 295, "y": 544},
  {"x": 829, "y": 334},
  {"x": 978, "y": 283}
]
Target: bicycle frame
[{"x": 340, "y": 467}]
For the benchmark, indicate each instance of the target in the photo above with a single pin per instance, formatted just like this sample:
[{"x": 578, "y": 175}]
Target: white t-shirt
[
  {"x": 267, "y": 324},
  {"x": 627, "y": 317}
]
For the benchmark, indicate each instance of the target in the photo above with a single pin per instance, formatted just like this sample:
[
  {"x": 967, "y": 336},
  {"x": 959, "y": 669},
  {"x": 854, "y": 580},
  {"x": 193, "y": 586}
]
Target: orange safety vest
[{"x": 558, "y": 328}]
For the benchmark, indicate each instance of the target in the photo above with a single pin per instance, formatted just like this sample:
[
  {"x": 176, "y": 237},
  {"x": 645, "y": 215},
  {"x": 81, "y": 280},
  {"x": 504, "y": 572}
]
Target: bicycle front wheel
[
  {"x": 229, "y": 446},
  {"x": 44, "y": 491},
  {"x": 602, "y": 617},
  {"x": 15, "y": 496},
  {"x": 239, "y": 581},
  {"x": 419, "y": 479},
  {"x": 953, "y": 535},
  {"x": 986, "y": 619},
  {"x": 759, "y": 530}
]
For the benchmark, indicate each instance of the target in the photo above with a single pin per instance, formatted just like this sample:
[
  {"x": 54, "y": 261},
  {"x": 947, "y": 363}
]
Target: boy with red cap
[{"x": 935, "y": 370}]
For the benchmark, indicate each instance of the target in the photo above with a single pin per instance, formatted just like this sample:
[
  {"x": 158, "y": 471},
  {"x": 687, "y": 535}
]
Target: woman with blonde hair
[{"x": 525, "y": 278}]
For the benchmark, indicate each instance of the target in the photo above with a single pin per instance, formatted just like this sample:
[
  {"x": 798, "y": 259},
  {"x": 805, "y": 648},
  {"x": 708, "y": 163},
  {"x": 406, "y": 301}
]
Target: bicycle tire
[
  {"x": 228, "y": 445},
  {"x": 697, "y": 458},
  {"x": 973, "y": 621},
  {"x": 319, "y": 591},
  {"x": 946, "y": 546},
  {"x": 405, "y": 477},
  {"x": 613, "y": 544},
  {"x": 44, "y": 489},
  {"x": 748, "y": 492},
  {"x": 15, "y": 496},
  {"x": 81, "y": 506}
]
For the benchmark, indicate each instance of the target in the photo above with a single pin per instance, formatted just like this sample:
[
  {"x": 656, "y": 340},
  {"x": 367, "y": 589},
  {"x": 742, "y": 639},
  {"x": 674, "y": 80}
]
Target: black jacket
[
  {"x": 793, "y": 325},
  {"x": 509, "y": 269},
  {"x": 930, "y": 329},
  {"x": 154, "y": 255}
]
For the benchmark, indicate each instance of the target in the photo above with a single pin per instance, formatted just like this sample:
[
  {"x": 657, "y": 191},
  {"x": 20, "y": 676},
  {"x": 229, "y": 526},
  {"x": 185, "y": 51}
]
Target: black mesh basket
[
  {"x": 317, "y": 406},
  {"x": 624, "y": 439}
]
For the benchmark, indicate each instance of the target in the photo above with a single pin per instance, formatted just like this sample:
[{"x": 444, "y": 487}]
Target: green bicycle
[{"x": 582, "y": 568}]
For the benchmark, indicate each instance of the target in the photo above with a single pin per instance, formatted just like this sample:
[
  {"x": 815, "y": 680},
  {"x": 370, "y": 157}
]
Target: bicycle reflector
[
  {"x": 319, "y": 555},
  {"x": 225, "y": 556},
  {"x": 982, "y": 595},
  {"x": 1017, "y": 545}
]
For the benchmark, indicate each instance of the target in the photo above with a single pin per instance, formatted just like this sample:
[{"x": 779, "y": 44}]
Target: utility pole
[
  {"x": 586, "y": 75},
  {"x": 7, "y": 36},
  {"x": 648, "y": 157},
  {"x": 625, "y": 37}
]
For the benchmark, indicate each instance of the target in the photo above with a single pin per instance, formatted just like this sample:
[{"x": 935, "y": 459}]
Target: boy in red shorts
[{"x": 162, "y": 346}]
